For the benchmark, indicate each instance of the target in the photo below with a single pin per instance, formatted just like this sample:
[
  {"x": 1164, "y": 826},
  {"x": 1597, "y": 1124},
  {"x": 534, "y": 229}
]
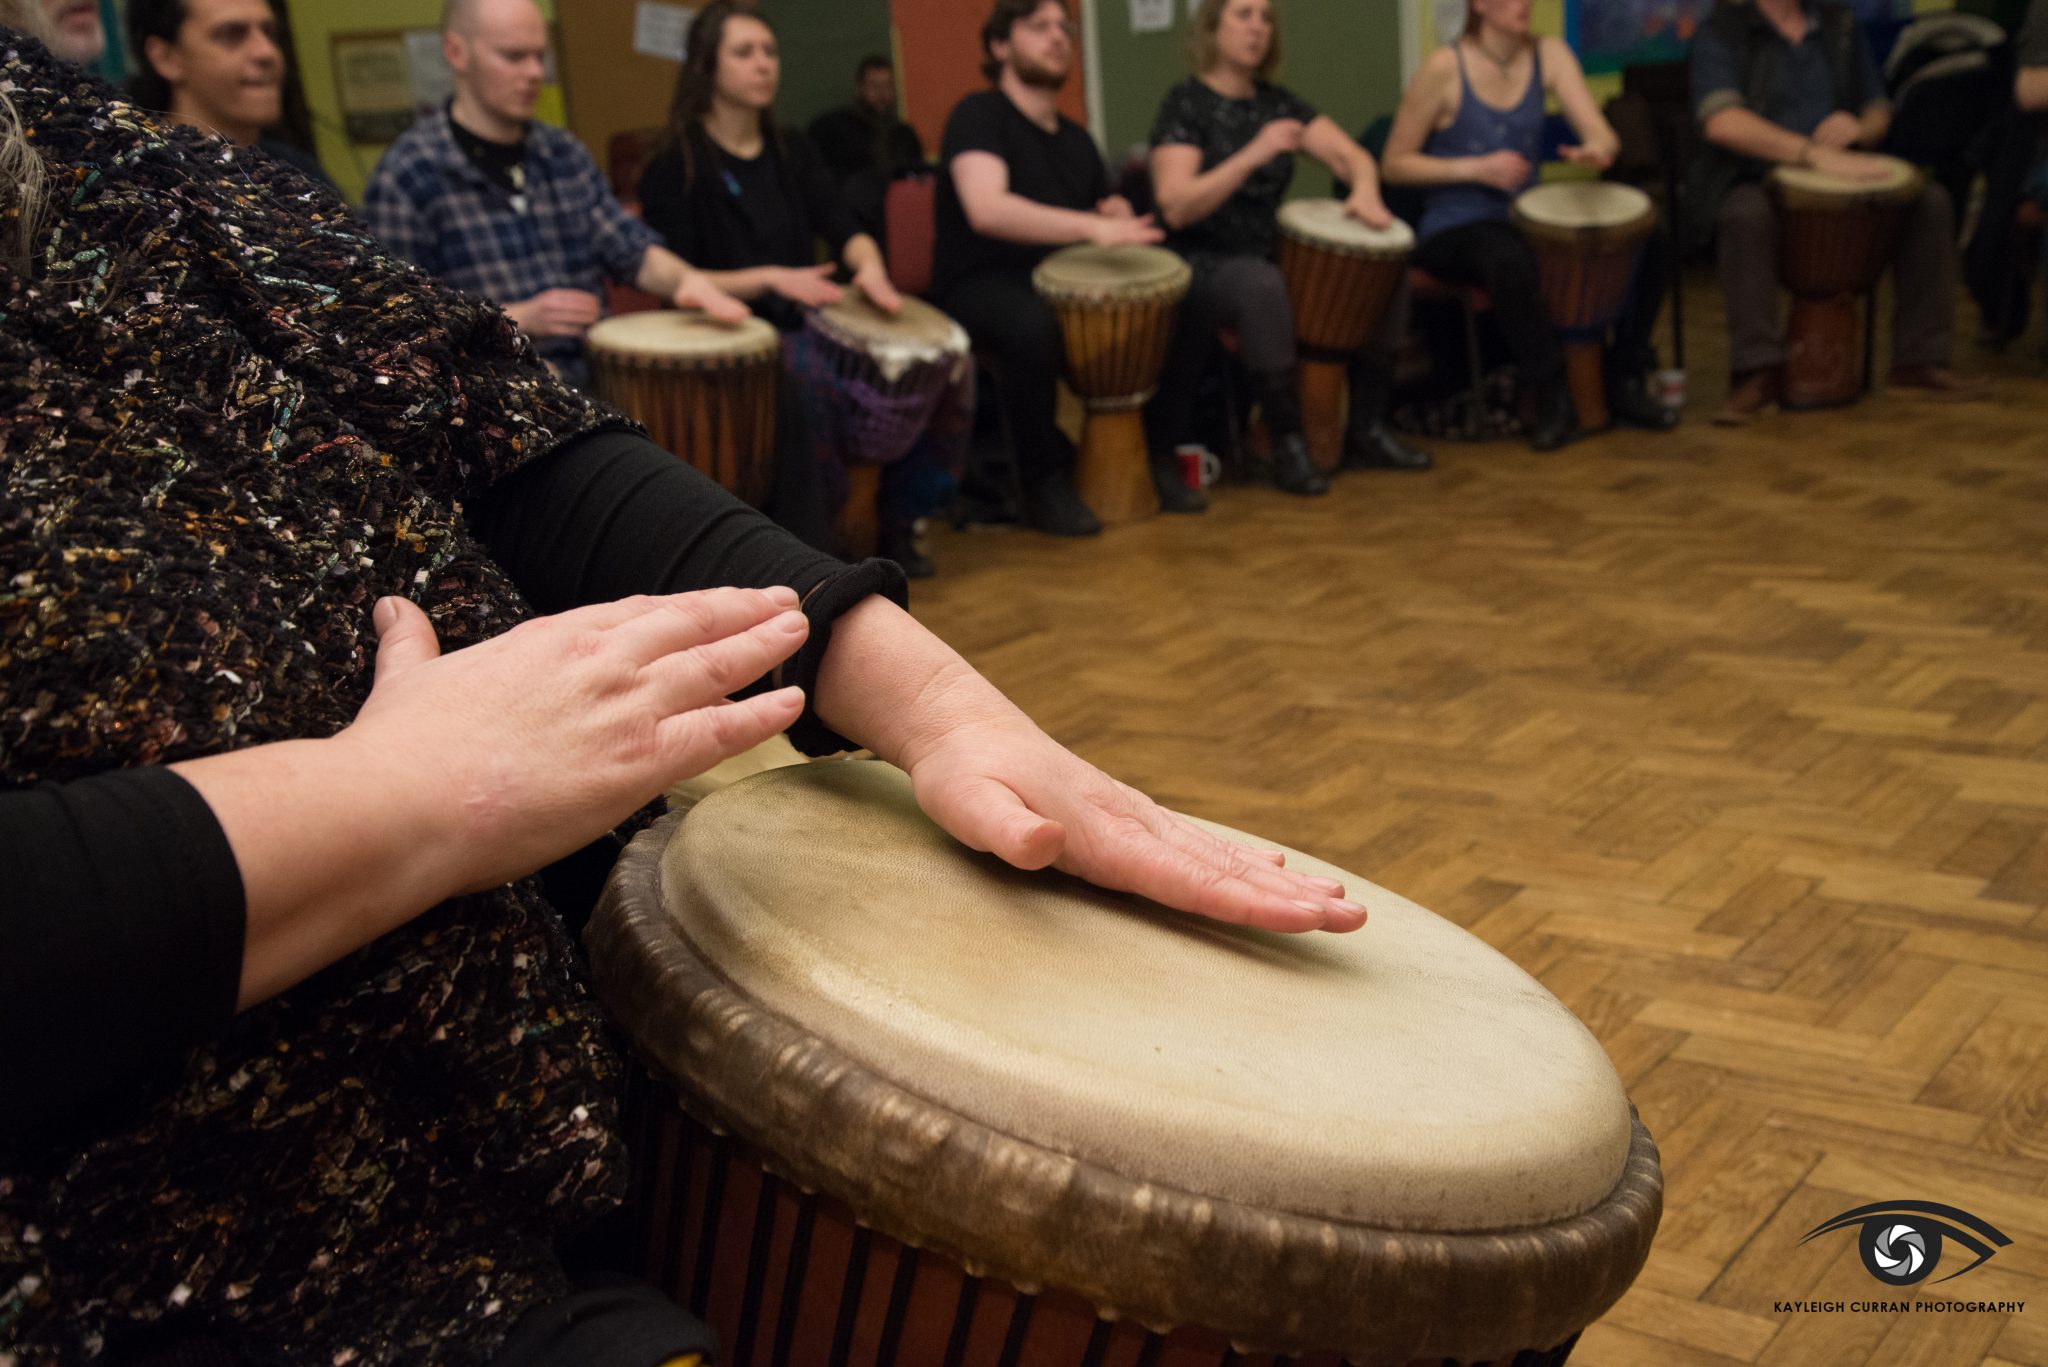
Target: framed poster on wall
[{"x": 1611, "y": 34}]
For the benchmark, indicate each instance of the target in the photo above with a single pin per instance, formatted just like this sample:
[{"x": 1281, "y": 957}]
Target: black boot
[
  {"x": 904, "y": 546},
  {"x": 1629, "y": 400},
  {"x": 1368, "y": 445},
  {"x": 1557, "y": 422},
  {"x": 1174, "y": 494},
  {"x": 1052, "y": 506},
  {"x": 1294, "y": 470}
]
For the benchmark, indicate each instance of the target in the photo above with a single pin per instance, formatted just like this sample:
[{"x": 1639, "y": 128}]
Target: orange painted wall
[{"x": 939, "y": 55}]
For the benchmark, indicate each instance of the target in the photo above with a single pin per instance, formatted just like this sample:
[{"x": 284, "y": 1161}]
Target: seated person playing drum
[
  {"x": 300, "y": 1065},
  {"x": 1471, "y": 128},
  {"x": 1222, "y": 155},
  {"x": 747, "y": 199},
  {"x": 495, "y": 203},
  {"x": 1793, "y": 83},
  {"x": 1017, "y": 180}
]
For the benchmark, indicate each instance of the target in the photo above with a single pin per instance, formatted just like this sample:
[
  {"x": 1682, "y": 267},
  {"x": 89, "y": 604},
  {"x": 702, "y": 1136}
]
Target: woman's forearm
[
  {"x": 1193, "y": 197},
  {"x": 890, "y": 685}
]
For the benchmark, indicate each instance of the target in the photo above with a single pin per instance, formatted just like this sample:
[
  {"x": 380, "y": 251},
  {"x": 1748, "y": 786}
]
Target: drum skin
[
  {"x": 704, "y": 391},
  {"x": 1588, "y": 239},
  {"x": 812, "y": 1195}
]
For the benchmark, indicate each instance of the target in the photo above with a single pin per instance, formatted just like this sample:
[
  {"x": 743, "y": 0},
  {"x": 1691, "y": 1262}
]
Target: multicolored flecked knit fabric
[{"x": 229, "y": 423}]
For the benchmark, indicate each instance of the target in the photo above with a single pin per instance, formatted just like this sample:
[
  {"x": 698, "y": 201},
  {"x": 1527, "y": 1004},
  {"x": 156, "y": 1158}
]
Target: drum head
[
  {"x": 1902, "y": 180},
  {"x": 1324, "y": 223},
  {"x": 1407, "y": 1076},
  {"x": 681, "y": 337},
  {"x": 1095, "y": 272},
  {"x": 919, "y": 335},
  {"x": 1573, "y": 205}
]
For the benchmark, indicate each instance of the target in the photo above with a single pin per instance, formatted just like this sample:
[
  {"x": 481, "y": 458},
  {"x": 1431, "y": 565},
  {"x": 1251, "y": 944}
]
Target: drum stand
[{"x": 1114, "y": 477}]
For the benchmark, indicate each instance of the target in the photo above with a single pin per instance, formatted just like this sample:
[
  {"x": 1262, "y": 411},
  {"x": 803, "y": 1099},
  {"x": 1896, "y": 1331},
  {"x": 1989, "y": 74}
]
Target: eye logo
[{"x": 1901, "y": 1240}]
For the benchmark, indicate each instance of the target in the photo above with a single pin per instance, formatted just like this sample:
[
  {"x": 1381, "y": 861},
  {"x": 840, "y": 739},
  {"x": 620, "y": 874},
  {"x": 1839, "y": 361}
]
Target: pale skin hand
[
  {"x": 1848, "y": 165},
  {"x": 983, "y": 771},
  {"x": 1127, "y": 231},
  {"x": 1838, "y": 130},
  {"x": 462, "y": 772},
  {"x": 556, "y": 313},
  {"x": 982, "y": 181},
  {"x": 1351, "y": 163},
  {"x": 665, "y": 275},
  {"x": 1502, "y": 170}
]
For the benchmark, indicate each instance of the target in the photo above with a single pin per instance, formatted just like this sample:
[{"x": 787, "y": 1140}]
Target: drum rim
[
  {"x": 1628, "y": 230},
  {"x": 1207, "y": 1260},
  {"x": 1376, "y": 251},
  {"x": 743, "y": 350},
  {"x": 951, "y": 347},
  {"x": 1172, "y": 285}
]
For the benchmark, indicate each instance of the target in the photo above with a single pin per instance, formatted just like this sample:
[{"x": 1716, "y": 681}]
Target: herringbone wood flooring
[{"x": 1738, "y": 741}]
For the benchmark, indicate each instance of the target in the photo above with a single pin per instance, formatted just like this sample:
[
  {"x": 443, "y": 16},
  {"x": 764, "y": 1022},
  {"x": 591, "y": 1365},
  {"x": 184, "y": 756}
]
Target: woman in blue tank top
[{"x": 1471, "y": 129}]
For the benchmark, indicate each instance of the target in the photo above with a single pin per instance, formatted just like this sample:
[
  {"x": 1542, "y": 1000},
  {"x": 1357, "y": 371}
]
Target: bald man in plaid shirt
[{"x": 496, "y": 204}]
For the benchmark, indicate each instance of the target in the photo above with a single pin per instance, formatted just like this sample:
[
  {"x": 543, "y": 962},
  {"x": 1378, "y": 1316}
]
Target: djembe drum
[
  {"x": 930, "y": 1109},
  {"x": 1834, "y": 238},
  {"x": 1340, "y": 277},
  {"x": 1116, "y": 307},
  {"x": 891, "y": 372},
  {"x": 703, "y": 389},
  {"x": 1588, "y": 239}
]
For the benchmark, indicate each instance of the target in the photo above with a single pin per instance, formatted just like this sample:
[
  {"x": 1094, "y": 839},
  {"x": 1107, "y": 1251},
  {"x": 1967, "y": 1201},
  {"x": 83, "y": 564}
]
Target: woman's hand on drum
[
  {"x": 998, "y": 783},
  {"x": 1585, "y": 156},
  {"x": 1847, "y": 165},
  {"x": 536, "y": 742},
  {"x": 1839, "y": 129},
  {"x": 1278, "y": 138},
  {"x": 1368, "y": 208},
  {"x": 810, "y": 286},
  {"x": 698, "y": 292},
  {"x": 1125, "y": 231},
  {"x": 1502, "y": 170},
  {"x": 1115, "y": 206},
  {"x": 873, "y": 281}
]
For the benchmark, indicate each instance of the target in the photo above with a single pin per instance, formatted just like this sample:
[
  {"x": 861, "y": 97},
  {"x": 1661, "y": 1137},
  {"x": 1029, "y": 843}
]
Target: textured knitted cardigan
[{"x": 228, "y": 424}]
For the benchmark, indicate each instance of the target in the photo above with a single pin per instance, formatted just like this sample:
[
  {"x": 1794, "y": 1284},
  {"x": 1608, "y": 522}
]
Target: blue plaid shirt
[{"x": 431, "y": 204}]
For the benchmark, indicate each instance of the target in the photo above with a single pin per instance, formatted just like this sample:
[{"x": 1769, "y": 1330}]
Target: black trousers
[
  {"x": 1018, "y": 333},
  {"x": 1495, "y": 257}
]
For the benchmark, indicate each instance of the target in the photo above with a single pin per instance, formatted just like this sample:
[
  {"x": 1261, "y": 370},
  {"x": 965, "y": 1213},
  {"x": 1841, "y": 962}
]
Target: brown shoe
[
  {"x": 1937, "y": 382},
  {"x": 1748, "y": 398}
]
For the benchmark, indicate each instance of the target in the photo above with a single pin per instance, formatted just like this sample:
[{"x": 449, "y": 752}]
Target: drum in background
[
  {"x": 1834, "y": 238},
  {"x": 1340, "y": 276},
  {"x": 1129, "y": 1136},
  {"x": 1116, "y": 307},
  {"x": 1588, "y": 239},
  {"x": 892, "y": 373},
  {"x": 704, "y": 390}
]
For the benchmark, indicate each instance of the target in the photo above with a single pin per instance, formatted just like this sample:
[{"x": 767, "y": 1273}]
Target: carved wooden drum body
[
  {"x": 704, "y": 390},
  {"x": 1588, "y": 238},
  {"x": 1341, "y": 275},
  {"x": 934, "y": 1110}
]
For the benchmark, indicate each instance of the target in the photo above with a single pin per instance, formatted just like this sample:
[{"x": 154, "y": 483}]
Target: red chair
[
  {"x": 909, "y": 216},
  {"x": 625, "y": 157}
]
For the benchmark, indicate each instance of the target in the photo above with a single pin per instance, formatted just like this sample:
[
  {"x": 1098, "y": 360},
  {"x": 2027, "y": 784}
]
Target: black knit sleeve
[
  {"x": 611, "y": 515},
  {"x": 121, "y": 925}
]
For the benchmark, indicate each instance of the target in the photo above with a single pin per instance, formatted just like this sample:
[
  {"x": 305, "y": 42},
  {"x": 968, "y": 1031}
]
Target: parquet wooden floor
[{"x": 1737, "y": 740}]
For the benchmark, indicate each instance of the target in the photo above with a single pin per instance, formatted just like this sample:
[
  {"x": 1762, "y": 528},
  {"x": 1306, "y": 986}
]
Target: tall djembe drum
[
  {"x": 1834, "y": 238},
  {"x": 1116, "y": 307},
  {"x": 918, "y": 1107},
  {"x": 1341, "y": 275},
  {"x": 1588, "y": 239},
  {"x": 704, "y": 390}
]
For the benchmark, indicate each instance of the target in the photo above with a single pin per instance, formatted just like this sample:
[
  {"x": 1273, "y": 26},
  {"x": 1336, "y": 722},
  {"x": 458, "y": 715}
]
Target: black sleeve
[
  {"x": 830, "y": 218},
  {"x": 612, "y": 514},
  {"x": 973, "y": 127},
  {"x": 1179, "y": 122},
  {"x": 121, "y": 932},
  {"x": 664, "y": 203}
]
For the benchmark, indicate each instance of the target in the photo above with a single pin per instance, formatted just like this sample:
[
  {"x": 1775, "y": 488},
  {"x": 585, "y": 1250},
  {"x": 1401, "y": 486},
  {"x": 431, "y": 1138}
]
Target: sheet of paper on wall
[
  {"x": 372, "y": 85},
  {"x": 661, "y": 30},
  {"x": 427, "y": 66},
  {"x": 1151, "y": 16}
]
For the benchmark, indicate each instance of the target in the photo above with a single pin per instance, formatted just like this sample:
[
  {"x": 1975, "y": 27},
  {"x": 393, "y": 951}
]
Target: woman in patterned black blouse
[{"x": 1223, "y": 154}]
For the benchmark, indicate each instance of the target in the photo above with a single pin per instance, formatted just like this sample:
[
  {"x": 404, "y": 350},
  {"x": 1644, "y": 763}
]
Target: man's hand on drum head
[
  {"x": 534, "y": 743},
  {"x": 1009, "y": 788},
  {"x": 1124, "y": 230},
  {"x": 1846, "y": 165},
  {"x": 873, "y": 281},
  {"x": 1368, "y": 208},
  {"x": 809, "y": 286},
  {"x": 697, "y": 292}
]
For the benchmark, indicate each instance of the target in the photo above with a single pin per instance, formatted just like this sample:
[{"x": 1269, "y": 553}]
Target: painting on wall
[{"x": 1611, "y": 34}]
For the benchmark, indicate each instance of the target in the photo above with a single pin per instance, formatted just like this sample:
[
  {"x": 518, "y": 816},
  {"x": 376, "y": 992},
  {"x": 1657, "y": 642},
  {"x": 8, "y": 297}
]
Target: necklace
[{"x": 1500, "y": 63}]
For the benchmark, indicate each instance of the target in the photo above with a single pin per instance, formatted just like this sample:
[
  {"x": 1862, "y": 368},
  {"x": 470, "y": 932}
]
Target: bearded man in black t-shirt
[{"x": 1018, "y": 181}]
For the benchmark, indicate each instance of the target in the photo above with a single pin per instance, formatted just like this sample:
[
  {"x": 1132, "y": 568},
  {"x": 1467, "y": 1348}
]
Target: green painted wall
[
  {"x": 822, "y": 41},
  {"x": 1343, "y": 56}
]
